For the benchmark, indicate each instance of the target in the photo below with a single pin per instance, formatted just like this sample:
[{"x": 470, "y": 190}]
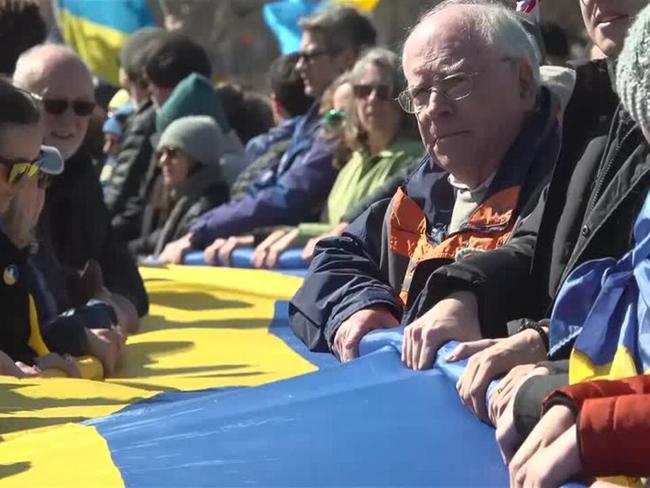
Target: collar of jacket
[{"x": 204, "y": 179}]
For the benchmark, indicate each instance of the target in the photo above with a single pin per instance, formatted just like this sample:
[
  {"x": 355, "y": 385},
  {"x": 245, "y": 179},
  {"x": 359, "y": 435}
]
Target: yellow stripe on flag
[
  {"x": 98, "y": 45},
  {"x": 361, "y": 5}
]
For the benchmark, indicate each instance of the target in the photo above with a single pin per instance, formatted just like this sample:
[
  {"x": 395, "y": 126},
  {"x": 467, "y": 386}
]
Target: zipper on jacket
[{"x": 600, "y": 184}]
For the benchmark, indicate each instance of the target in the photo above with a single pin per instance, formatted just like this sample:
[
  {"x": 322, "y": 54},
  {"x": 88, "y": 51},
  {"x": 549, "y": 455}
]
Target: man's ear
[
  {"x": 279, "y": 112},
  {"x": 346, "y": 59},
  {"x": 527, "y": 86}
]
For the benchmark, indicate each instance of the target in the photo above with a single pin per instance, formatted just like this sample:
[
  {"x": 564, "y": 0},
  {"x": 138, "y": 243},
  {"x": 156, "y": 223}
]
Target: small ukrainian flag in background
[{"x": 97, "y": 30}]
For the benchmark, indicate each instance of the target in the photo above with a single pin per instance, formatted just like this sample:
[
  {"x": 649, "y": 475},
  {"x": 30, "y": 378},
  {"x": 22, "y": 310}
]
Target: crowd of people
[{"x": 465, "y": 188}]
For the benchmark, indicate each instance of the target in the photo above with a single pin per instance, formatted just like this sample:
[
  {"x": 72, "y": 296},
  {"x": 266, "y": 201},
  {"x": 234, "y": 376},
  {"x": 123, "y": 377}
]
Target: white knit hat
[{"x": 633, "y": 70}]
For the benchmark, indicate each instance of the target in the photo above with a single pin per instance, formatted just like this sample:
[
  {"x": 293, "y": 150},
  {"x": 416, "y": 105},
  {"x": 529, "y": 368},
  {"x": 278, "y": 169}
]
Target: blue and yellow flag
[
  {"x": 215, "y": 390},
  {"x": 604, "y": 306},
  {"x": 97, "y": 30}
]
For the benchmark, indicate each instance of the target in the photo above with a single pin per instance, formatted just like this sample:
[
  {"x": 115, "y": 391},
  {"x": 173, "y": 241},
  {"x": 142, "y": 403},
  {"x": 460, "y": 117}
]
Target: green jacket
[{"x": 362, "y": 175}]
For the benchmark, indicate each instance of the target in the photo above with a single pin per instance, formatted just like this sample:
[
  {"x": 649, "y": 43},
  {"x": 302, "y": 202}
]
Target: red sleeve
[
  {"x": 580, "y": 392},
  {"x": 614, "y": 435}
]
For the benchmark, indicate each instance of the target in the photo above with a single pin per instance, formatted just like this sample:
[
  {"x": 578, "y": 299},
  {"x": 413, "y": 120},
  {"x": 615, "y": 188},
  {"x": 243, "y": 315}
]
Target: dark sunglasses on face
[
  {"x": 57, "y": 106},
  {"x": 18, "y": 169},
  {"x": 309, "y": 56},
  {"x": 382, "y": 92}
]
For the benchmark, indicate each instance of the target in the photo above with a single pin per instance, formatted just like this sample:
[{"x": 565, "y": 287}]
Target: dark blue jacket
[
  {"x": 290, "y": 192},
  {"x": 259, "y": 145},
  {"x": 388, "y": 258}
]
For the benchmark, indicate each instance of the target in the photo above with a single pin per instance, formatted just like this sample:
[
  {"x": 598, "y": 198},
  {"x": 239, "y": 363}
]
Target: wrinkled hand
[
  {"x": 262, "y": 250},
  {"x": 211, "y": 253},
  {"x": 125, "y": 311},
  {"x": 18, "y": 369},
  {"x": 175, "y": 252},
  {"x": 453, "y": 318},
  {"x": 308, "y": 252},
  {"x": 349, "y": 334},
  {"x": 65, "y": 363},
  {"x": 553, "y": 465},
  {"x": 500, "y": 397},
  {"x": 279, "y": 247},
  {"x": 556, "y": 421},
  {"x": 107, "y": 345},
  {"x": 506, "y": 433},
  {"x": 220, "y": 251},
  {"x": 489, "y": 358}
]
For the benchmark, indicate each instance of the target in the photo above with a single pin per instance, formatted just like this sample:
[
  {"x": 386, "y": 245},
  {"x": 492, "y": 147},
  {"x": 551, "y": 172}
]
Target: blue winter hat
[{"x": 116, "y": 122}]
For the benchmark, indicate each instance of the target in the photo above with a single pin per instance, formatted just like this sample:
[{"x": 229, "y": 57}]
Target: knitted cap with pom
[{"x": 633, "y": 70}]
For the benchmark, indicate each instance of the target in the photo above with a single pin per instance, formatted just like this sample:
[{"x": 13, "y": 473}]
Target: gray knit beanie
[
  {"x": 198, "y": 136},
  {"x": 633, "y": 70}
]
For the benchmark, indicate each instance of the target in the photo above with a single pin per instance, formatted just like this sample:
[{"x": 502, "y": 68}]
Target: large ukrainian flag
[
  {"x": 97, "y": 30},
  {"x": 216, "y": 390}
]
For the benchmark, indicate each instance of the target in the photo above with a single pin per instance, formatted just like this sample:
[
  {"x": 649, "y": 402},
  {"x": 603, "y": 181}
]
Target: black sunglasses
[
  {"x": 383, "y": 92},
  {"x": 309, "y": 56},
  {"x": 57, "y": 106}
]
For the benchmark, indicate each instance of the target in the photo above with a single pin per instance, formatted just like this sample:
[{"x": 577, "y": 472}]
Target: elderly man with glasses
[
  {"x": 492, "y": 137},
  {"x": 75, "y": 223}
]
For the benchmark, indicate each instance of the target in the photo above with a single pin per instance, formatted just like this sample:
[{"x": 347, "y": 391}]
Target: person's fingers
[
  {"x": 406, "y": 344},
  {"x": 484, "y": 375},
  {"x": 407, "y": 348},
  {"x": 210, "y": 253},
  {"x": 22, "y": 370},
  {"x": 416, "y": 346},
  {"x": 343, "y": 349},
  {"x": 226, "y": 250},
  {"x": 351, "y": 342},
  {"x": 467, "y": 349},
  {"x": 308, "y": 252},
  {"x": 258, "y": 257},
  {"x": 524, "y": 453},
  {"x": 271, "y": 258},
  {"x": 427, "y": 354},
  {"x": 466, "y": 380}
]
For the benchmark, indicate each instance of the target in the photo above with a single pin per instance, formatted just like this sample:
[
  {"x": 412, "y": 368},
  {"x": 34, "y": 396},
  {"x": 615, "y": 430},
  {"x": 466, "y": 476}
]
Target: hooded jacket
[{"x": 388, "y": 254}]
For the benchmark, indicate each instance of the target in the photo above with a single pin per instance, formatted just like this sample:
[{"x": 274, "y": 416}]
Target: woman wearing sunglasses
[
  {"x": 21, "y": 156},
  {"x": 383, "y": 140},
  {"x": 190, "y": 155},
  {"x": 70, "y": 323}
]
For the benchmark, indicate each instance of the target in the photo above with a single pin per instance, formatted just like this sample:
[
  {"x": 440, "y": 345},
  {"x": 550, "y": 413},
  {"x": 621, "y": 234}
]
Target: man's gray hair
[
  {"x": 500, "y": 27},
  {"x": 341, "y": 27}
]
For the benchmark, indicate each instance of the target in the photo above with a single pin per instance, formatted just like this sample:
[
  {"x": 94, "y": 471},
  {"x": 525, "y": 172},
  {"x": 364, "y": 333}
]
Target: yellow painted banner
[{"x": 207, "y": 328}]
